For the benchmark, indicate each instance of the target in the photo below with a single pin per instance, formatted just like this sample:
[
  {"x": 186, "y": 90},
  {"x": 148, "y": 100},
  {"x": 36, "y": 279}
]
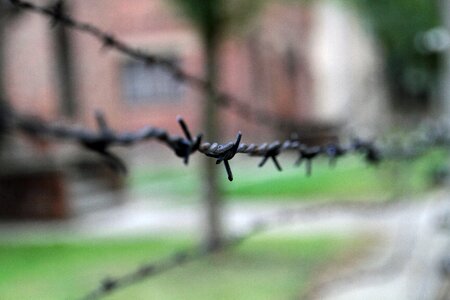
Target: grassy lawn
[
  {"x": 262, "y": 268},
  {"x": 351, "y": 179}
]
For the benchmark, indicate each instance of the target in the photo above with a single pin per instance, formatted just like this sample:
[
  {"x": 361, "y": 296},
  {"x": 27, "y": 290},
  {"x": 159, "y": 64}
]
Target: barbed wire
[
  {"x": 146, "y": 271},
  {"x": 258, "y": 226},
  {"x": 271, "y": 221},
  {"x": 242, "y": 108},
  {"x": 184, "y": 147},
  {"x": 105, "y": 138},
  {"x": 102, "y": 140}
]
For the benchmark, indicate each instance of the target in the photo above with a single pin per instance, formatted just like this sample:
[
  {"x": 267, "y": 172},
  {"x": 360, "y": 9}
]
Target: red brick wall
[
  {"x": 30, "y": 66},
  {"x": 153, "y": 25}
]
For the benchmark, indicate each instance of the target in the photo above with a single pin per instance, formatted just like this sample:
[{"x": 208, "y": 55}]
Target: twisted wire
[
  {"x": 262, "y": 117},
  {"x": 258, "y": 226},
  {"x": 102, "y": 140},
  {"x": 180, "y": 258}
]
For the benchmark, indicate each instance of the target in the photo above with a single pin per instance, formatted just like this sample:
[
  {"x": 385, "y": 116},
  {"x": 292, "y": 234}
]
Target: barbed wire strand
[
  {"x": 146, "y": 271},
  {"x": 259, "y": 116},
  {"x": 184, "y": 147},
  {"x": 102, "y": 140},
  {"x": 260, "y": 225}
]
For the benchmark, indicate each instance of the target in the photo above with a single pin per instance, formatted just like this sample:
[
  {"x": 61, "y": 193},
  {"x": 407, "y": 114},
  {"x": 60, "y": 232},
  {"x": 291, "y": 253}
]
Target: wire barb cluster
[
  {"x": 104, "y": 138},
  {"x": 182, "y": 146}
]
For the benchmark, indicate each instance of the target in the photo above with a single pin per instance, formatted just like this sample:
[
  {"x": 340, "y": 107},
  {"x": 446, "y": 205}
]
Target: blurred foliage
[
  {"x": 214, "y": 18},
  {"x": 398, "y": 25}
]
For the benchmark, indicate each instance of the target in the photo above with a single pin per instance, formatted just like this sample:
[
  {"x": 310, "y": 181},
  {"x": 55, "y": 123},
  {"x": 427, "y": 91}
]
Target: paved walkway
[
  {"x": 403, "y": 267},
  {"x": 162, "y": 216},
  {"x": 408, "y": 268}
]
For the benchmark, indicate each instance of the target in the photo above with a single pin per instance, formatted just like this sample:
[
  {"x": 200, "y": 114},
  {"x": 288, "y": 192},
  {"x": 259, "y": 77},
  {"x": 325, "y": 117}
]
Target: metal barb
[
  {"x": 184, "y": 147},
  {"x": 101, "y": 121},
  {"x": 184, "y": 127},
  {"x": 108, "y": 41},
  {"x": 57, "y": 10},
  {"x": 109, "y": 284},
  {"x": 226, "y": 153},
  {"x": 373, "y": 155},
  {"x": 308, "y": 154},
  {"x": 334, "y": 152},
  {"x": 272, "y": 152},
  {"x": 228, "y": 169}
]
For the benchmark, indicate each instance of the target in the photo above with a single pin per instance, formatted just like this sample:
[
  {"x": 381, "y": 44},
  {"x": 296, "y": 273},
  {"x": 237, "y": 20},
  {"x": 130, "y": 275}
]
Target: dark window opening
[{"x": 142, "y": 83}]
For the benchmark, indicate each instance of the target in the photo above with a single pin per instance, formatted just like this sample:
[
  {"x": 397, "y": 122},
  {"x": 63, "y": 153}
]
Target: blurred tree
[
  {"x": 445, "y": 86},
  {"x": 412, "y": 73},
  {"x": 65, "y": 65},
  {"x": 214, "y": 19},
  {"x": 2, "y": 46},
  {"x": 7, "y": 14}
]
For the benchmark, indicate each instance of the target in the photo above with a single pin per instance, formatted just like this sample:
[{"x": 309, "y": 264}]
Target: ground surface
[
  {"x": 403, "y": 263},
  {"x": 60, "y": 258}
]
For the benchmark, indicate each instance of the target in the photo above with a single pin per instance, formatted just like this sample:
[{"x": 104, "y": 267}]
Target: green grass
[
  {"x": 262, "y": 268},
  {"x": 351, "y": 179},
  {"x": 347, "y": 179}
]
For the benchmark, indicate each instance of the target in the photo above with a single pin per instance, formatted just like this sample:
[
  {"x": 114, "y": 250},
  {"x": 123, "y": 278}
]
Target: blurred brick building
[
  {"x": 267, "y": 65},
  {"x": 313, "y": 63},
  {"x": 273, "y": 65}
]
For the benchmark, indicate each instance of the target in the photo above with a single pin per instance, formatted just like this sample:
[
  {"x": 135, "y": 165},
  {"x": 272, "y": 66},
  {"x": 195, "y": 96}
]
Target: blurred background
[{"x": 378, "y": 70}]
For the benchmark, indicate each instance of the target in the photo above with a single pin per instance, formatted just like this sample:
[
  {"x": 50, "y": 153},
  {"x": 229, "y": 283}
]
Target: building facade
[
  {"x": 286, "y": 62},
  {"x": 313, "y": 64}
]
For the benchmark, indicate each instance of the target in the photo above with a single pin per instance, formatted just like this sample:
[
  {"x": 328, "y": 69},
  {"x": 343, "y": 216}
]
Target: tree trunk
[
  {"x": 66, "y": 82},
  {"x": 445, "y": 81},
  {"x": 3, "y": 103},
  {"x": 212, "y": 197},
  {"x": 2, "y": 50}
]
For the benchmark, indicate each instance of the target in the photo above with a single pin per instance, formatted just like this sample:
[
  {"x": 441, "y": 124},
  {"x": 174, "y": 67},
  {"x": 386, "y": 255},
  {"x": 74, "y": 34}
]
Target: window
[{"x": 143, "y": 83}]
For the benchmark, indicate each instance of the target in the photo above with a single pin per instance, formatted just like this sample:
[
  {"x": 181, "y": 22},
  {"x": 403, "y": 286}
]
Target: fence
[{"x": 102, "y": 141}]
